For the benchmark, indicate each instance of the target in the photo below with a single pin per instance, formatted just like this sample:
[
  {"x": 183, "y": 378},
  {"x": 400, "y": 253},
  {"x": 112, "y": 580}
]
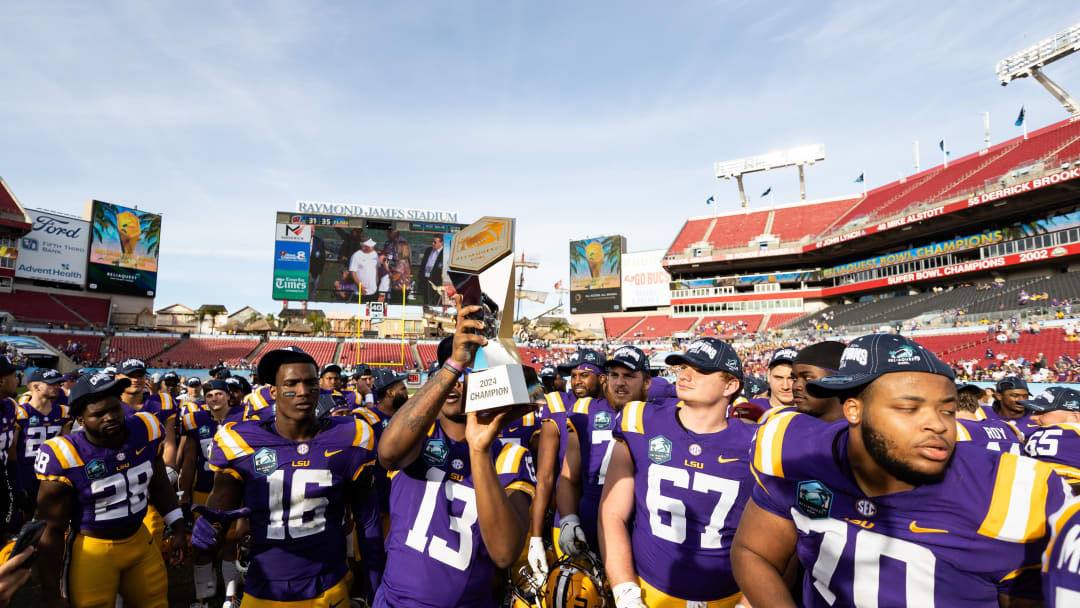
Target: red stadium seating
[
  {"x": 725, "y": 326},
  {"x": 1050, "y": 342},
  {"x": 321, "y": 350},
  {"x": 795, "y": 222},
  {"x": 95, "y": 310},
  {"x": 660, "y": 326},
  {"x": 777, "y": 319},
  {"x": 428, "y": 353},
  {"x": 377, "y": 352},
  {"x": 92, "y": 343},
  {"x": 37, "y": 307},
  {"x": 692, "y": 232},
  {"x": 198, "y": 351},
  {"x": 142, "y": 347},
  {"x": 737, "y": 229},
  {"x": 617, "y": 326}
]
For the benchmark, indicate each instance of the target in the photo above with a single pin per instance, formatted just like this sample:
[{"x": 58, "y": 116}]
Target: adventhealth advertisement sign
[{"x": 55, "y": 250}]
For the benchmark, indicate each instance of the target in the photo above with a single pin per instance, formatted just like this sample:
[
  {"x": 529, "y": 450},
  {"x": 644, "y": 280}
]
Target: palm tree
[
  {"x": 317, "y": 322},
  {"x": 562, "y": 328}
]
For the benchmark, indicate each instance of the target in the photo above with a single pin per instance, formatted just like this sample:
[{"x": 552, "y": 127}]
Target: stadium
[{"x": 753, "y": 349}]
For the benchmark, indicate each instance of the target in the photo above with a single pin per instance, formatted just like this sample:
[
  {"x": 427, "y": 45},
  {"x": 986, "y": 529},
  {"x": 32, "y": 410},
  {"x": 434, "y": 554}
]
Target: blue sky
[{"x": 578, "y": 118}]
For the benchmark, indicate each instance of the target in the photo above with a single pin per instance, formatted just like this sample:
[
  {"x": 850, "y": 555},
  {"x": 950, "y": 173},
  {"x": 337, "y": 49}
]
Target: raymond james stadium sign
[{"x": 390, "y": 213}]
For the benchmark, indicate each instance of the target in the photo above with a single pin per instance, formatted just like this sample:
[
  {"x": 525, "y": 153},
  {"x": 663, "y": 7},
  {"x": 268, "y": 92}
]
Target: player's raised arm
[
  {"x": 763, "y": 546},
  {"x": 503, "y": 514},
  {"x": 401, "y": 441}
]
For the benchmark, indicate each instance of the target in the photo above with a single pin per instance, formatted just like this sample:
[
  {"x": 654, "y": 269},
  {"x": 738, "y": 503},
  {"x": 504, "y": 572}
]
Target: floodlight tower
[
  {"x": 1030, "y": 61},
  {"x": 797, "y": 157}
]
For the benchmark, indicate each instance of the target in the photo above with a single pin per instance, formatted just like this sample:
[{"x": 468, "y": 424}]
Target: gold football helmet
[{"x": 578, "y": 582}]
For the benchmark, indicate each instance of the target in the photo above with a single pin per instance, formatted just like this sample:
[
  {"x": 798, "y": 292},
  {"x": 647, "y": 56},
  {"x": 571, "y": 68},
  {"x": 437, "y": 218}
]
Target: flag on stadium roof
[
  {"x": 709, "y": 201},
  {"x": 766, "y": 192},
  {"x": 1020, "y": 117},
  {"x": 861, "y": 178},
  {"x": 941, "y": 144}
]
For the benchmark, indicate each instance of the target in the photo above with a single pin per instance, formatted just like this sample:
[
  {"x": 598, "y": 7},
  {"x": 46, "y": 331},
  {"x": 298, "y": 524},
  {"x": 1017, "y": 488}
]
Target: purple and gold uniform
[
  {"x": 556, "y": 411},
  {"x": 522, "y": 431},
  {"x": 112, "y": 490},
  {"x": 1058, "y": 444},
  {"x": 689, "y": 493},
  {"x": 162, "y": 405},
  {"x": 990, "y": 504},
  {"x": 1061, "y": 562},
  {"x": 256, "y": 403},
  {"x": 35, "y": 429},
  {"x": 201, "y": 427},
  {"x": 297, "y": 495},
  {"x": 996, "y": 435},
  {"x": 593, "y": 421},
  {"x": 435, "y": 554}
]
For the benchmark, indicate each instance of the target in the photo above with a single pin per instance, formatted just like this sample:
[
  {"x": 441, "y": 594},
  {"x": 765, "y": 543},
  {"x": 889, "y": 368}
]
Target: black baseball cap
[
  {"x": 1066, "y": 399},
  {"x": 216, "y": 384},
  {"x": 194, "y": 381},
  {"x": 754, "y": 387},
  {"x": 709, "y": 355},
  {"x": 330, "y": 367},
  {"x": 1011, "y": 383},
  {"x": 548, "y": 371},
  {"x": 784, "y": 355},
  {"x": 131, "y": 366},
  {"x": 385, "y": 377},
  {"x": 825, "y": 355},
  {"x": 271, "y": 361},
  {"x": 589, "y": 359},
  {"x": 967, "y": 386},
  {"x": 223, "y": 372},
  {"x": 362, "y": 370},
  {"x": 95, "y": 386},
  {"x": 7, "y": 367},
  {"x": 869, "y": 357},
  {"x": 171, "y": 377},
  {"x": 629, "y": 357},
  {"x": 46, "y": 375}
]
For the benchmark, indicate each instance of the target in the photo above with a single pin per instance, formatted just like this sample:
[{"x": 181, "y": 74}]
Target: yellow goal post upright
[{"x": 363, "y": 313}]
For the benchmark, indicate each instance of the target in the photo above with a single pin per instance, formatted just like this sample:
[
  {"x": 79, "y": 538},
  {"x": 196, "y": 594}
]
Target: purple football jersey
[
  {"x": 378, "y": 421},
  {"x": 593, "y": 421},
  {"x": 911, "y": 548},
  {"x": 200, "y": 426},
  {"x": 35, "y": 429},
  {"x": 435, "y": 554},
  {"x": 112, "y": 487},
  {"x": 1061, "y": 563},
  {"x": 162, "y": 406},
  {"x": 8, "y": 409},
  {"x": 1058, "y": 444},
  {"x": 259, "y": 405},
  {"x": 685, "y": 513},
  {"x": 556, "y": 411},
  {"x": 996, "y": 435},
  {"x": 297, "y": 495},
  {"x": 521, "y": 432}
]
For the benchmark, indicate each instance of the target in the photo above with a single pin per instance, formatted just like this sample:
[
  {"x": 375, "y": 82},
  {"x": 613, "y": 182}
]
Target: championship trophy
[{"x": 481, "y": 269}]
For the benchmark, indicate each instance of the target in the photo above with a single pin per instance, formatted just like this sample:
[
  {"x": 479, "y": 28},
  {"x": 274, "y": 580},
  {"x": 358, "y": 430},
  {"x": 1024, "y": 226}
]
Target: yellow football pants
[
  {"x": 132, "y": 567},
  {"x": 654, "y": 598},
  {"x": 334, "y": 597}
]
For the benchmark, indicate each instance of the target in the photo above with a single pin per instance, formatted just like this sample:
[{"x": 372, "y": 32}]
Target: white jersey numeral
[
  {"x": 439, "y": 548},
  {"x": 122, "y": 494},
  {"x": 1043, "y": 443},
  {"x": 919, "y": 562},
  {"x": 37, "y": 435},
  {"x": 605, "y": 438},
  {"x": 675, "y": 531},
  {"x": 300, "y": 507}
]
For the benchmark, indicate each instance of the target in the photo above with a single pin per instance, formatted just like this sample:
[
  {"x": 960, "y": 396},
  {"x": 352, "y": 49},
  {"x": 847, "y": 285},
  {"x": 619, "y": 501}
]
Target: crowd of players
[{"x": 854, "y": 474}]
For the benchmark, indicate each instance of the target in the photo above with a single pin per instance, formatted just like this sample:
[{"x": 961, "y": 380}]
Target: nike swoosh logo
[
  {"x": 140, "y": 450},
  {"x": 510, "y": 430},
  {"x": 328, "y": 454},
  {"x": 723, "y": 460},
  {"x": 916, "y": 529}
]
